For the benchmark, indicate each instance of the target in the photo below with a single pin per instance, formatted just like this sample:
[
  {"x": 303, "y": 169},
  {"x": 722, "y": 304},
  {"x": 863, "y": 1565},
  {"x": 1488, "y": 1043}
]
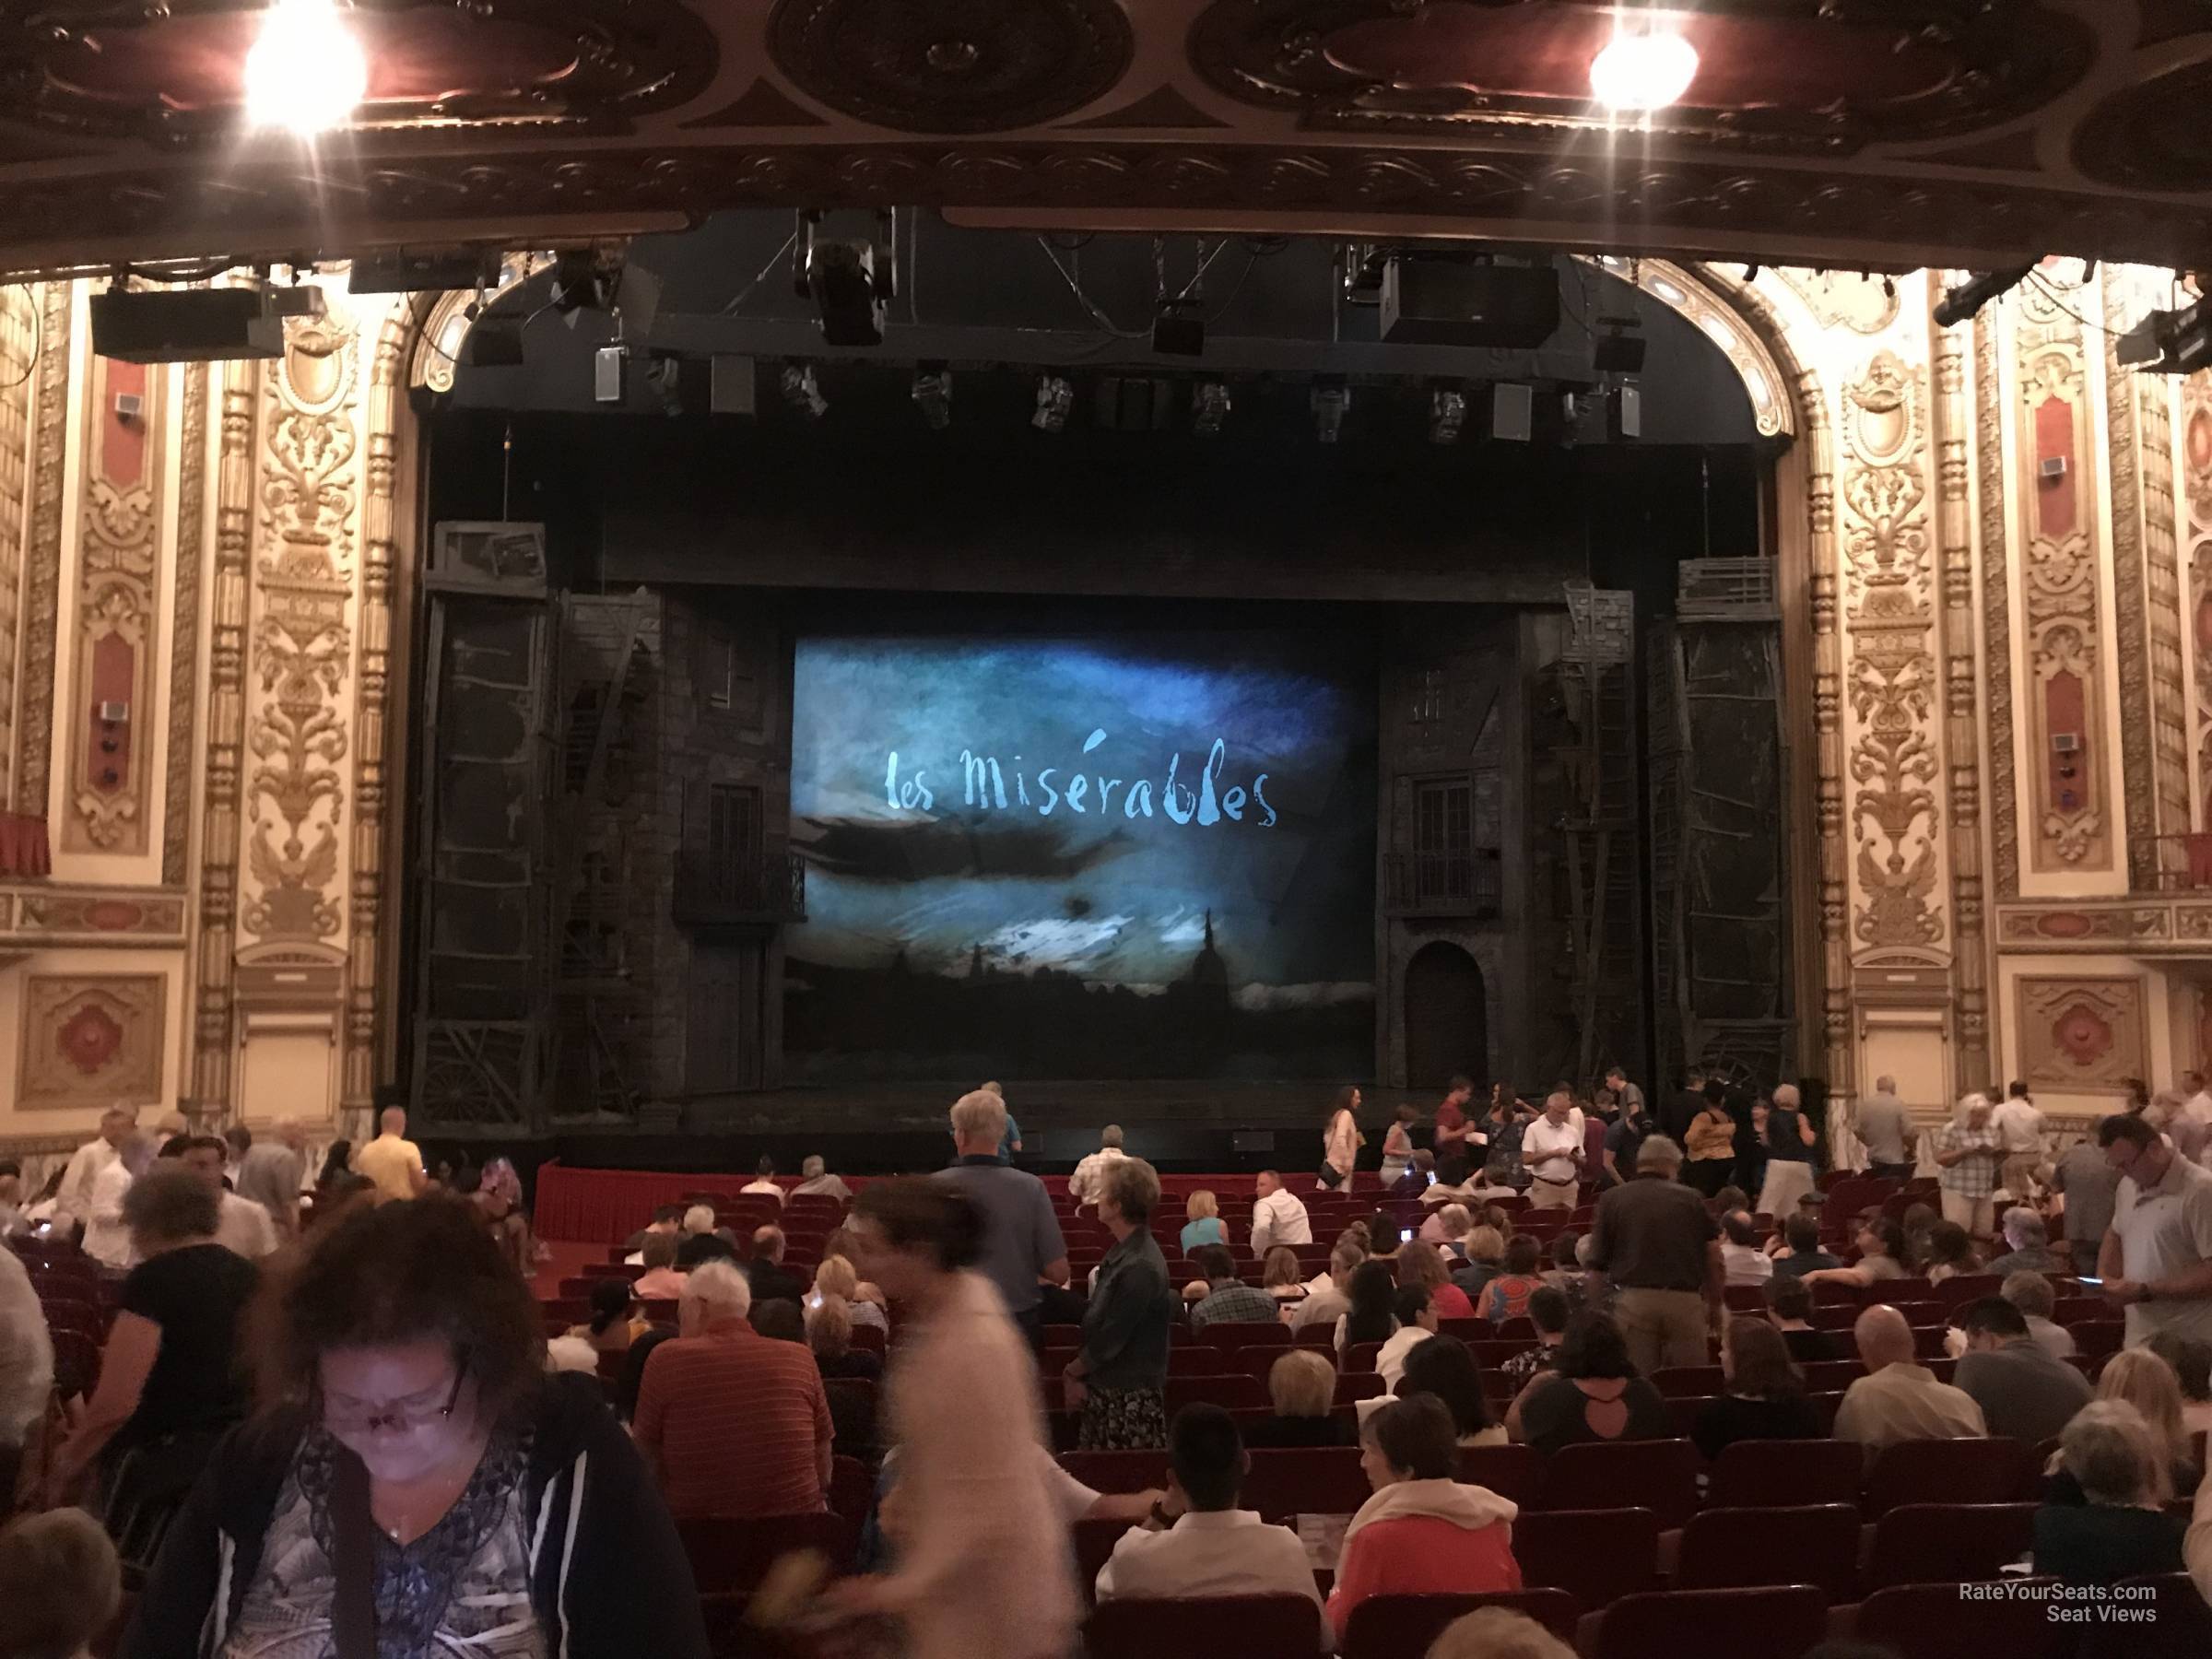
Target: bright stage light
[
  {"x": 307, "y": 72},
  {"x": 1643, "y": 69}
]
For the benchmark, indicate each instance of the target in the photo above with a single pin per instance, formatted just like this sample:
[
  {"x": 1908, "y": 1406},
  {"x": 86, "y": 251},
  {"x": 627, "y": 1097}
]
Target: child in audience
[{"x": 60, "y": 1585}]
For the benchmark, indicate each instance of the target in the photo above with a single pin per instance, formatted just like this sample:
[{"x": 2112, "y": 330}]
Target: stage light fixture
[
  {"x": 1178, "y": 329},
  {"x": 850, "y": 287},
  {"x": 198, "y": 326},
  {"x": 1620, "y": 349},
  {"x": 1210, "y": 409},
  {"x": 1967, "y": 298},
  {"x": 933, "y": 394},
  {"x": 1054, "y": 399},
  {"x": 1643, "y": 67},
  {"x": 306, "y": 72},
  {"x": 1447, "y": 414},
  {"x": 606, "y": 373},
  {"x": 796, "y": 383},
  {"x": 2168, "y": 342},
  {"x": 1624, "y": 412},
  {"x": 1331, "y": 398}
]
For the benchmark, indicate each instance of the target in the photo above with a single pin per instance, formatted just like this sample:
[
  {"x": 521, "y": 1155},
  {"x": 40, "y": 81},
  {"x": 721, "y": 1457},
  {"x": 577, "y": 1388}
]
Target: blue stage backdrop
[{"x": 1117, "y": 856}]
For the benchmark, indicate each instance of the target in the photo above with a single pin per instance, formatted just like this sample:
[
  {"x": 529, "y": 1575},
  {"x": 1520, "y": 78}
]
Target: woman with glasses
[{"x": 416, "y": 1483}]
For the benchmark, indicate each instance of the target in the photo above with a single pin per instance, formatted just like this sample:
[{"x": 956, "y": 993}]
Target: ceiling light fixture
[
  {"x": 1643, "y": 67},
  {"x": 306, "y": 72}
]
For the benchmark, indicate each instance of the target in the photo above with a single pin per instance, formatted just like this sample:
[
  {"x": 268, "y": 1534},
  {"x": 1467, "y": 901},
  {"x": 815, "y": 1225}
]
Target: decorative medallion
[
  {"x": 88, "y": 1038},
  {"x": 92, "y": 1040},
  {"x": 2082, "y": 1032},
  {"x": 952, "y": 65}
]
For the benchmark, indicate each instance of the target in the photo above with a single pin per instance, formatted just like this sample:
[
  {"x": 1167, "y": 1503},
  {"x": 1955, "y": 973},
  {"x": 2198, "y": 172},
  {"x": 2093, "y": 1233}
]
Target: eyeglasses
[{"x": 401, "y": 1419}]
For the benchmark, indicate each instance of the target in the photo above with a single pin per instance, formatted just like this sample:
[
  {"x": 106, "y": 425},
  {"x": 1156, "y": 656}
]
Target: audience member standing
[
  {"x": 1791, "y": 1143},
  {"x": 1711, "y": 1161},
  {"x": 1083, "y": 1185},
  {"x": 73, "y": 1202},
  {"x": 1022, "y": 1247},
  {"x": 1968, "y": 1152},
  {"x": 1656, "y": 1243},
  {"x": 1341, "y": 1141},
  {"x": 1277, "y": 1216},
  {"x": 1883, "y": 1124},
  {"x": 731, "y": 1422},
  {"x": 272, "y": 1169},
  {"x": 1450, "y": 1137},
  {"x": 392, "y": 1162},
  {"x": 107, "y": 1228},
  {"x": 1552, "y": 1150},
  {"x": 2025, "y": 1392},
  {"x": 2019, "y": 1126},
  {"x": 26, "y": 1368},
  {"x": 1214, "y": 1548},
  {"x": 1900, "y": 1399},
  {"x": 1397, "y": 1144},
  {"x": 2087, "y": 1183},
  {"x": 1119, "y": 1378},
  {"x": 973, "y": 1467},
  {"x": 243, "y": 1225},
  {"x": 2157, "y": 1258}
]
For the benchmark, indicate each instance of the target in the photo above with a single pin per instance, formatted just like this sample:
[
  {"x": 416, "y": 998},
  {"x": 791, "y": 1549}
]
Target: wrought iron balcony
[
  {"x": 1443, "y": 884},
  {"x": 762, "y": 891}
]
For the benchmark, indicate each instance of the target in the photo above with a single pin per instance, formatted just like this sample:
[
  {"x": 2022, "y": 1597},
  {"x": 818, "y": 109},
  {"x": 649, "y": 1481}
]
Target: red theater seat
[
  {"x": 1761, "y": 1473},
  {"x": 1660, "y": 1476},
  {"x": 1595, "y": 1555},
  {"x": 1808, "y": 1544},
  {"x": 1395, "y": 1627},
  {"x": 1945, "y": 1543},
  {"x": 1515, "y": 1472},
  {"x": 1260, "y": 1626},
  {"x": 1936, "y": 1621},
  {"x": 732, "y": 1556},
  {"x": 1773, "y": 1622},
  {"x": 1956, "y": 1471},
  {"x": 1317, "y": 1481}
]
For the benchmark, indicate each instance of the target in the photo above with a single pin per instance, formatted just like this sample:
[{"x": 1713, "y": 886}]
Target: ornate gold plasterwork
[
  {"x": 1895, "y": 818},
  {"x": 18, "y": 349},
  {"x": 1860, "y": 301},
  {"x": 2061, "y": 584},
  {"x": 184, "y": 626},
  {"x": 302, "y": 638},
  {"x": 42, "y": 555},
  {"x": 1955, "y": 547},
  {"x": 2196, "y": 490},
  {"x": 1996, "y": 607},
  {"x": 93, "y": 1039},
  {"x": 2082, "y": 1031}
]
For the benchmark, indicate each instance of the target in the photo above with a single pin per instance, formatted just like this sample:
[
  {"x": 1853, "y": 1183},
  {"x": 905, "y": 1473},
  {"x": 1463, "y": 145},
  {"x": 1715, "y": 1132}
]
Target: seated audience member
[
  {"x": 2139, "y": 1378},
  {"x": 1201, "y": 1222},
  {"x": 2117, "y": 1529},
  {"x": 1227, "y": 1300},
  {"x": 1790, "y": 1311},
  {"x": 1280, "y": 1276},
  {"x": 2027, "y": 1245},
  {"x": 2032, "y": 1295},
  {"x": 1802, "y": 1234},
  {"x": 1485, "y": 1261},
  {"x": 702, "y": 1240},
  {"x": 1548, "y": 1311},
  {"x": 170, "y": 1377},
  {"x": 2025, "y": 1392},
  {"x": 663, "y": 1281},
  {"x": 1277, "y": 1217},
  {"x": 731, "y": 1422},
  {"x": 1332, "y": 1302},
  {"x": 829, "y": 1335},
  {"x": 666, "y": 1219},
  {"x": 498, "y": 1198},
  {"x": 1765, "y": 1393},
  {"x": 416, "y": 1349},
  {"x": 1729, "y": 1198},
  {"x": 763, "y": 1182},
  {"x": 1424, "y": 1532},
  {"x": 1370, "y": 1314},
  {"x": 1302, "y": 1386},
  {"x": 1447, "y": 1225},
  {"x": 1595, "y": 1393},
  {"x": 1447, "y": 1368},
  {"x": 2191, "y": 1358},
  {"x": 1744, "y": 1261},
  {"x": 1417, "y": 1324},
  {"x": 838, "y": 1276},
  {"x": 1384, "y": 1236},
  {"x": 60, "y": 1585},
  {"x": 1497, "y": 1633},
  {"x": 1882, "y": 1249},
  {"x": 1506, "y": 1297},
  {"x": 780, "y": 1320},
  {"x": 1214, "y": 1548},
  {"x": 1569, "y": 1273},
  {"x": 766, "y": 1273},
  {"x": 616, "y": 1320},
  {"x": 1900, "y": 1398},
  {"x": 1423, "y": 1264},
  {"x": 1950, "y": 1253},
  {"x": 816, "y": 1182}
]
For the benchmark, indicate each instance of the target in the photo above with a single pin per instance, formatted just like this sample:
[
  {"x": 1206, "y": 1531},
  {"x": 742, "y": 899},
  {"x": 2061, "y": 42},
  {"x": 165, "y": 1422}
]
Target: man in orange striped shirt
[{"x": 733, "y": 1423}]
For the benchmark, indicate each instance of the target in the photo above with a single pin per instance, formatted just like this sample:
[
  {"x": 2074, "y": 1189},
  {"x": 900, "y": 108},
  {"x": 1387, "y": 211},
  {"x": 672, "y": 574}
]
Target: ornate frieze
[
  {"x": 2081, "y": 1032},
  {"x": 43, "y": 557},
  {"x": 184, "y": 626},
  {"x": 2196, "y": 501},
  {"x": 1996, "y": 606},
  {"x": 19, "y": 345},
  {"x": 1955, "y": 546}
]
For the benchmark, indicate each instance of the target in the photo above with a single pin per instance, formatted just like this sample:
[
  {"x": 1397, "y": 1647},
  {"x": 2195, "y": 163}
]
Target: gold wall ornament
[
  {"x": 92, "y": 1040},
  {"x": 1996, "y": 604},
  {"x": 2195, "y": 446},
  {"x": 184, "y": 626},
  {"x": 42, "y": 555},
  {"x": 1864, "y": 304},
  {"x": 2068, "y": 730},
  {"x": 1895, "y": 818},
  {"x": 18, "y": 342}
]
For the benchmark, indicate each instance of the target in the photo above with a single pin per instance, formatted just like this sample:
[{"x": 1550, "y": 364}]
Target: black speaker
[
  {"x": 186, "y": 325},
  {"x": 1455, "y": 303}
]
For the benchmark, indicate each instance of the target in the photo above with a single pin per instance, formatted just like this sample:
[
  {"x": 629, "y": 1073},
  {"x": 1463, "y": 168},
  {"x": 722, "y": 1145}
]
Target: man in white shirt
[
  {"x": 2196, "y": 1101},
  {"x": 816, "y": 1180},
  {"x": 26, "y": 1365},
  {"x": 1741, "y": 1258},
  {"x": 73, "y": 1200},
  {"x": 764, "y": 1180},
  {"x": 2157, "y": 1257},
  {"x": 1214, "y": 1548},
  {"x": 1332, "y": 1301},
  {"x": 244, "y": 1228},
  {"x": 107, "y": 1235},
  {"x": 1083, "y": 1186},
  {"x": 2019, "y": 1126},
  {"x": 1552, "y": 1152},
  {"x": 1277, "y": 1218}
]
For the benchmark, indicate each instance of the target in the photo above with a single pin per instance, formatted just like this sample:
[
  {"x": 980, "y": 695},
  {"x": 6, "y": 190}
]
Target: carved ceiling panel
[{"x": 1845, "y": 133}]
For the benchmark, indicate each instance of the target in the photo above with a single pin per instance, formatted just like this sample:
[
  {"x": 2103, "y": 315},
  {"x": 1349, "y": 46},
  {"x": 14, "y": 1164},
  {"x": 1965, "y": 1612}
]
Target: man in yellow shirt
[{"x": 392, "y": 1161}]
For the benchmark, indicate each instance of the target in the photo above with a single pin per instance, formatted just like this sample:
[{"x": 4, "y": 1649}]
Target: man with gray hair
[
  {"x": 272, "y": 1169},
  {"x": 1790, "y": 1142},
  {"x": 2029, "y": 1245},
  {"x": 1552, "y": 1151},
  {"x": 815, "y": 1181},
  {"x": 732, "y": 1423},
  {"x": 1022, "y": 1247},
  {"x": 1654, "y": 1240},
  {"x": 1083, "y": 1186},
  {"x": 1883, "y": 1126}
]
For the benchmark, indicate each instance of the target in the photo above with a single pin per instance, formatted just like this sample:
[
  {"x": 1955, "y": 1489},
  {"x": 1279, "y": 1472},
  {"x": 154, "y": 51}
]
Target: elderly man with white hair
[
  {"x": 1968, "y": 1151},
  {"x": 1552, "y": 1151},
  {"x": 815, "y": 1181},
  {"x": 1022, "y": 1246},
  {"x": 2027, "y": 1245},
  {"x": 1084, "y": 1185},
  {"x": 702, "y": 1241},
  {"x": 1790, "y": 1143},
  {"x": 733, "y": 1424}
]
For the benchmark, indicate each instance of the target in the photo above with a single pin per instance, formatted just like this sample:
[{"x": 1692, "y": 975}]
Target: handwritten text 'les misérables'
[{"x": 984, "y": 783}]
